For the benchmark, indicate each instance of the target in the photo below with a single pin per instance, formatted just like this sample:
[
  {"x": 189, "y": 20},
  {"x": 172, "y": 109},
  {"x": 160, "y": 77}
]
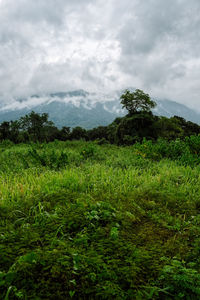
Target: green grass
[{"x": 83, "y": 221}]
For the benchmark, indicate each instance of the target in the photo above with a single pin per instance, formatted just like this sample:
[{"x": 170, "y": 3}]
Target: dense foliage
[
  {"x": 136, "y": 101},
  {"x": 84, "y": 221},
  {"x": 123, "y": 131}
]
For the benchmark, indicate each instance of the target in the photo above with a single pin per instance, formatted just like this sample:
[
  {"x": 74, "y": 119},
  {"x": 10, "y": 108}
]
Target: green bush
[
  {"x": 183, "y": 151},
  {"x": 89, "y": 151},
  {"x": 51, "y": 158}
]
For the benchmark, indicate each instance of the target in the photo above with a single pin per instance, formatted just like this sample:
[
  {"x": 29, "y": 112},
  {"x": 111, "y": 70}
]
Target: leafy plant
[
  {"x": 50, "y": 159},
  {"x": 88, "y": 151},
  {"x": 181, "y": 280}
]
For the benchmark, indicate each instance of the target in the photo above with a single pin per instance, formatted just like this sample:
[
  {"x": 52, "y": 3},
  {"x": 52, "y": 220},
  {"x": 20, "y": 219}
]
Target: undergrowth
[{"x": 84, "y": 221}]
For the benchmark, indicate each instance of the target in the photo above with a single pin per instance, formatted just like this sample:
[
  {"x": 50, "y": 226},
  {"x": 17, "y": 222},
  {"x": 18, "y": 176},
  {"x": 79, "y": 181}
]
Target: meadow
[{"x": 80, "y": 220}]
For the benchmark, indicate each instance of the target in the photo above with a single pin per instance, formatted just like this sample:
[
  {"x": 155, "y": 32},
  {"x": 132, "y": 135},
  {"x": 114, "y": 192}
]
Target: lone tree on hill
[{"x": 137, "y": 101}]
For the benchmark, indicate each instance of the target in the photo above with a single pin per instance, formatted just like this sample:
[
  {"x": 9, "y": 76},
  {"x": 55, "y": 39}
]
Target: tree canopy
[{"x": 136, "y": 101}]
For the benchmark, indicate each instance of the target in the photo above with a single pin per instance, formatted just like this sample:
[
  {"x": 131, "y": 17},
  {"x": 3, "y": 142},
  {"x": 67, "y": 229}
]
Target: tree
[
  {"x": 37, "y": 126},
  {"x": 14, "y": 131},
  {"x": 136, "y": 101},
  {"x": 135, "y": 127},
  {"x": 169, "y": 129},
  {"x": 4, "y": 130},
  {"x": 78, "y": 133},
  {"x": 64, "y": 133},
  {"x": 97, "y": 133},
  {"x": 188, "y": 127}
]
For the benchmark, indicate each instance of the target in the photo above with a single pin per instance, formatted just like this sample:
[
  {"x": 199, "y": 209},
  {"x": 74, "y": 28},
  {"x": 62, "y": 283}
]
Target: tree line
[{"x": 139, "y": 123}]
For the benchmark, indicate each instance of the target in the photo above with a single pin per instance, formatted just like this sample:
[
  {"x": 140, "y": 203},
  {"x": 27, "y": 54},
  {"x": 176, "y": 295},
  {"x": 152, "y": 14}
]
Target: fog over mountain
[
  {"x": 100, "y": 45},
  {"x": 88, "y": 110}
]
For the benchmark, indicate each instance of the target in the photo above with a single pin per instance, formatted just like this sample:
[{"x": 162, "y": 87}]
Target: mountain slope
[
  {"x": 170, "y": 108},
  {"x": 88, "y": 110}
]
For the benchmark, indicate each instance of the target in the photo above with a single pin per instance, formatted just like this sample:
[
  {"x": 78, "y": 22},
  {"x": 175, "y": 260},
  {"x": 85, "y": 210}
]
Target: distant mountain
[
  {"x": 88, "y": 110},
  {"x": 170, "y": 108}
]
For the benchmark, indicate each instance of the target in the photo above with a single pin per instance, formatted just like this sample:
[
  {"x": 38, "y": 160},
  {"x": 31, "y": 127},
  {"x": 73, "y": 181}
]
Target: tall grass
[{"x": 83, "y": 221}]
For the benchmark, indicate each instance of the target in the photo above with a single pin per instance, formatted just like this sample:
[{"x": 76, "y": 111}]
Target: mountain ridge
[{"x": 88, "y": 110}]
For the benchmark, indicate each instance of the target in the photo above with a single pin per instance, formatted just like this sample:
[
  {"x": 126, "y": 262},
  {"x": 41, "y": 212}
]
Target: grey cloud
[
  {"x": 158, "y": 40},
  {"x": 58, "y": 45}
]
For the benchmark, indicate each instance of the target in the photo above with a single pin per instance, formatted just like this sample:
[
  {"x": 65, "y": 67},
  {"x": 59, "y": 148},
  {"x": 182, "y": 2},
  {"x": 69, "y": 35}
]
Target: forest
[{"x": 107, "y": 213}]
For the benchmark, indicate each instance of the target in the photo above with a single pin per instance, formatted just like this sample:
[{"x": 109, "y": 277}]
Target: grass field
[{"x": 83, "y": 221}]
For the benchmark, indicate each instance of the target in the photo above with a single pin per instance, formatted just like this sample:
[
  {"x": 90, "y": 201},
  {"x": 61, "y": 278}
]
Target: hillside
[
  {"x": 80, "y": 108},
  {"x": 170, "y": 108}
]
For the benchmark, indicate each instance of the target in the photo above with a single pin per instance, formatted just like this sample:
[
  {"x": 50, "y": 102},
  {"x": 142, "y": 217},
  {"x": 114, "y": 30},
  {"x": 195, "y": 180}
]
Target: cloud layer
[{"x": 59, "y": 45}]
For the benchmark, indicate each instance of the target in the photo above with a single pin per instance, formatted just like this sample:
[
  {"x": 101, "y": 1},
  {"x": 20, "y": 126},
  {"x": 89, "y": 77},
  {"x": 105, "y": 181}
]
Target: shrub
[
  {"x": 50, "y": 159},
  {"x": 88, "y": 151}
]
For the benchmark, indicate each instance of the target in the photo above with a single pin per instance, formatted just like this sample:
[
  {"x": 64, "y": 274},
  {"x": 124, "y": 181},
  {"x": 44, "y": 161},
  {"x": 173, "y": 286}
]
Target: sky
[{"x": 100, "y": 45}]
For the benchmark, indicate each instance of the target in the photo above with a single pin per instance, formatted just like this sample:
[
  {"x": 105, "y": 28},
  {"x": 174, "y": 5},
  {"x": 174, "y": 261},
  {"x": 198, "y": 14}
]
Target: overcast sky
[{"x": 59, "y": 45}]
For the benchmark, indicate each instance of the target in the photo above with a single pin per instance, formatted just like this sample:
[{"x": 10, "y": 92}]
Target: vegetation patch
[{"x": 84, "y": 221}]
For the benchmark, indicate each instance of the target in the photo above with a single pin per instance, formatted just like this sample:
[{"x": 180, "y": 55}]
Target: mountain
[
  {"x": 88, "y": 110},
  {"x": 170, "y": 108}
]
